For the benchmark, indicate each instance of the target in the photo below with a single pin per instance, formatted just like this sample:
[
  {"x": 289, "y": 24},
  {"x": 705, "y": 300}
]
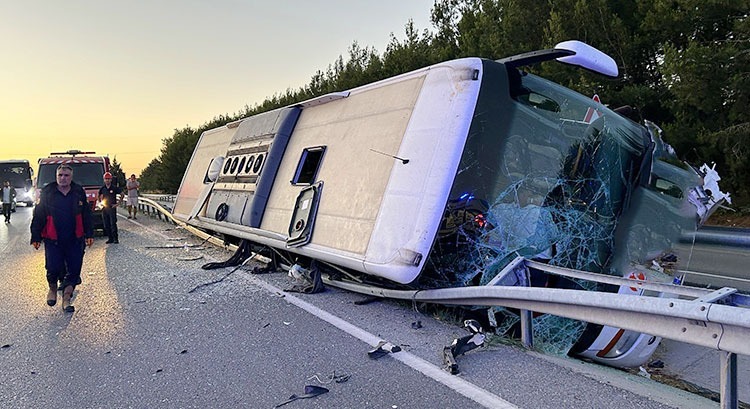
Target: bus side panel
[{"x": 354, "y": 174}]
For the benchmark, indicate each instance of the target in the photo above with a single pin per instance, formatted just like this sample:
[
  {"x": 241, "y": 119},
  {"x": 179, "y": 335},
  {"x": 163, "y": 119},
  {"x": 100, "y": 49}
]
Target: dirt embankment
[{"x": 738, "y": 218}]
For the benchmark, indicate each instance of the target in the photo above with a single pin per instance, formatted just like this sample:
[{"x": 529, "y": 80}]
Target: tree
[
  {"x": 175, "y": 156},
  {"x": 116, "y": 170},
  {"x": 413, "y": 53},
  {"x": 150, "y": 179},
  {"x": 705, "y": 67}
]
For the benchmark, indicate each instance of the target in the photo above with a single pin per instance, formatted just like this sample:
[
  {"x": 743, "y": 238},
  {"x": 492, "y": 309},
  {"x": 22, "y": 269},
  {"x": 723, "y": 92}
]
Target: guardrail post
[
  {"x": 729, "y": 398},
  {"x": 527, "y": 333},
  {"x": 516, "y": 273},
  {"x": 527, "y": 330}
]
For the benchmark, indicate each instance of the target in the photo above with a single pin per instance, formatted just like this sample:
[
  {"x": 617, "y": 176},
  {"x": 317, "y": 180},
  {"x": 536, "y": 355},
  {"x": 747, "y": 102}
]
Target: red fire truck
[{"x": 88, "y": 170}]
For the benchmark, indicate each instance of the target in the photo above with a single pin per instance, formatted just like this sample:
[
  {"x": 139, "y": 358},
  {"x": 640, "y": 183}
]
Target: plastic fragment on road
[
  {"x": 311, "y": 391},
  {"x": 242, "y": 254},
  {"x": 462, "y": 345},
  {"x": 330, "y": 378},
  {"x": 382, "y": 349},
  {"x": 656, "y": 364}
]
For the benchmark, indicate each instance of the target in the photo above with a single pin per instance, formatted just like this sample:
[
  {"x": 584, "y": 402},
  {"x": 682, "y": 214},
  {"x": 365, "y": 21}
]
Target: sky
[{"x": 118, "y": 77}]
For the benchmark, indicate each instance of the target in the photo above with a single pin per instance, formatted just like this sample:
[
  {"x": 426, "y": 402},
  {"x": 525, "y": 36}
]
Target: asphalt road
[
  {"x": 152, "y": 329},
  {"x": 715, "y": 265}
]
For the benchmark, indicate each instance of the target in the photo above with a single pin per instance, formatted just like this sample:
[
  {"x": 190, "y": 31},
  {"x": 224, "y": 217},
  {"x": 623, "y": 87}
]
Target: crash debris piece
[
  {"x": 190, "y": 258},
  {"x": 305, "y": 280},
  {"x": 330, "y": 378},
  {"x": 382, "y": 349},
  {"x": 462, "y": 345},
  {"x": 311, "y": 391}
]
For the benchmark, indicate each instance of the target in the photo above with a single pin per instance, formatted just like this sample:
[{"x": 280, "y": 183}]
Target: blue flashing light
[{"x": 467, "y": 196}]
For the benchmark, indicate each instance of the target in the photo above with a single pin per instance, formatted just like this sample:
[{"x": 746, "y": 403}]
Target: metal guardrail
[
  {"x": 151, "y": 207},
  {"x": 724, "y": 236},
  {"x": 716, "y": 326},
  {"x": 695, "y": 318}
]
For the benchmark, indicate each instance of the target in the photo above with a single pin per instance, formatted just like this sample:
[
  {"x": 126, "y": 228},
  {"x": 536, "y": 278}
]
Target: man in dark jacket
[
  {"x": 109, "y": 196},
  {"x": 7, "y": 197},
  {"x": 62, "y": 220}
]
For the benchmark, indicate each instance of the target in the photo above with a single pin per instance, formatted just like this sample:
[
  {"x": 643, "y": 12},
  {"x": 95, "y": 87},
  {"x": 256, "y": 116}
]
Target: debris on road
[
  {"x": 306, "y": 280},
  {"x": 311, "y": 391},
  {"x": 656, "y": 364},
  {"x": 382, "y": 349},
  {"x": 462, "y": 345},
  {"x": 190, "y": 258},
  {"x": 330, "y": 378}
]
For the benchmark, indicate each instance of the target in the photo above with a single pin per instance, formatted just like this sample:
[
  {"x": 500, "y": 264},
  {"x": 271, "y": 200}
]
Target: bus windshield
[
  {"x": 565, "y": 142},
  {"x": 18, "y": 173},
  {"x": 546, "y": 174}
]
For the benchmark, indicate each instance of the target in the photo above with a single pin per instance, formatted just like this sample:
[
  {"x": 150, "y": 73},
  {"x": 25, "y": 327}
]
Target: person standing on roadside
[
  {"x": 8, "y": 195},
  {"x": 62, "y": 221},
  {"x": 108, "y": 197},
  {"x": 132, "y": 185}
]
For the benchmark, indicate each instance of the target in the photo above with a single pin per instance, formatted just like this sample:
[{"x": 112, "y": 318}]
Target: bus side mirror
[
  {"x": 588, "y": 57},
  {"x": 28, "y": 184}
]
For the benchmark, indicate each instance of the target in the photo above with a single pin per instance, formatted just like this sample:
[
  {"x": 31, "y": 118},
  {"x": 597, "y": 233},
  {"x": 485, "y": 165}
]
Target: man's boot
[
  {"x": 67, "y": 295},
  {"x": 52, "y": 294}
]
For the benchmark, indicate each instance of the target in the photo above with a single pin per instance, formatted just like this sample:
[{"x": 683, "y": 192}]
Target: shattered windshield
[
  {"x": 546, "y": 174},
  {"x": 566, "y": 168}
]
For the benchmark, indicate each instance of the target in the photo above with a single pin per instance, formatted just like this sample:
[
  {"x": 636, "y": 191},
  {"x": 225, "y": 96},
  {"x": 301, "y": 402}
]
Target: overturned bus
[{"x": 441, "y": 176}]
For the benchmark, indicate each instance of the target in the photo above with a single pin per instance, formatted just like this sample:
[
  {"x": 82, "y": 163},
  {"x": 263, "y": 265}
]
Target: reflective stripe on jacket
[{"x": 49, "y": 231}]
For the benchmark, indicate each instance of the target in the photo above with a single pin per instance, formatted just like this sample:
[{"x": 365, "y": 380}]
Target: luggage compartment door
[{"x": 303, "y": 216}]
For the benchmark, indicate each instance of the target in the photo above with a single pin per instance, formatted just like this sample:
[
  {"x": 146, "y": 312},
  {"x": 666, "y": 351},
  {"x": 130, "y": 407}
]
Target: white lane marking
[
  {"x": 714, "y": 276},
  {"x": 459, "y": 385}
]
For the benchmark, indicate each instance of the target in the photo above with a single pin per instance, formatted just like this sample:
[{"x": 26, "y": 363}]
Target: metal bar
[
  {"x": 527, "y": 331},
  {"x": 729, "y": 398},
  {"x": 608, "y": 279},
  {"x": 717, "y": 295},
  {"x": 507, "y": 270},
  {"x": 733, "y": 298}
]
